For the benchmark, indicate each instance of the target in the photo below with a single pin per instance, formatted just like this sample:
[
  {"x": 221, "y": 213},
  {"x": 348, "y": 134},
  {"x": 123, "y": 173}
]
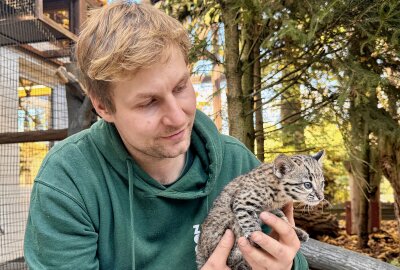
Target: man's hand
[
  {"x": 277, "y": 249},
  {"x": 220, "y": 255}
]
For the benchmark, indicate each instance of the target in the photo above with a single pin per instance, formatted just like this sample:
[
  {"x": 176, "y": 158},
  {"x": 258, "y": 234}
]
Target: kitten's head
[{"x": 301, "y": 176}]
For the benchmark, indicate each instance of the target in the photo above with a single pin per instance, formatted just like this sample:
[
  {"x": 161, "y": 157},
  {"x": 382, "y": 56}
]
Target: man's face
[{"x": 155, "y": 110}]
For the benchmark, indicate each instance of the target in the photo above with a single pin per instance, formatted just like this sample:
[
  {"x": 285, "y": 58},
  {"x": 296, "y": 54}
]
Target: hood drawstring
[{"x": 131, "y": 208}]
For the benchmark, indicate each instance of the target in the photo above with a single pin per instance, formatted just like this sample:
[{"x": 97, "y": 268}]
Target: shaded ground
[{"x": 383, "y": 245}]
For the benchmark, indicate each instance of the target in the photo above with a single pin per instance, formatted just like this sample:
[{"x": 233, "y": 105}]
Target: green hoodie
[{"x": 93, "y": 207}]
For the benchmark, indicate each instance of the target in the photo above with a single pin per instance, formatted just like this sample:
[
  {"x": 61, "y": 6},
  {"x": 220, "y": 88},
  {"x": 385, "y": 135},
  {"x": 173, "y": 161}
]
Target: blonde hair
[{"x": 121, "y": 38}]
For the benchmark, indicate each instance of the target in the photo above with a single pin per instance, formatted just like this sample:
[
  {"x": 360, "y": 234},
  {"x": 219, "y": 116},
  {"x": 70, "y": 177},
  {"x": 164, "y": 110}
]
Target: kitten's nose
[{"x": 320, "y": 196}]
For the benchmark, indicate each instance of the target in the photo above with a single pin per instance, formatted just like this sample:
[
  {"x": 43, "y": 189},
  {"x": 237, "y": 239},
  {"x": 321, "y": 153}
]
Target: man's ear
[
  {"x": 282, "y": 165},
  {"x": 101, "y": 110}
]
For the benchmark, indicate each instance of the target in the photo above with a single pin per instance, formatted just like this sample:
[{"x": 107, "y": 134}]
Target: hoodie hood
[{"x": 207, "y": 150}]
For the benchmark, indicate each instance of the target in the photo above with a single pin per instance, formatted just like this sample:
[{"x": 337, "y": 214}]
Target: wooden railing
[{"x": 322, "y": 256}]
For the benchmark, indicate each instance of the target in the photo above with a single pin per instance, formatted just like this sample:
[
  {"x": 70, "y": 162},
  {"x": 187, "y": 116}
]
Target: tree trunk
[
  {"x": 389, "y": 149},
  {"x": 259, "y": 125},
  {"x": 233, "y": 71},
  {"x": 247, "y": 60},
  {"x": 359, "y": 160},
  {"x": 216, "y": 81},
  {"x": 390, "y": 163},
  {"x": 322, "y": 256},
  {"x": 375, "y": 176}
]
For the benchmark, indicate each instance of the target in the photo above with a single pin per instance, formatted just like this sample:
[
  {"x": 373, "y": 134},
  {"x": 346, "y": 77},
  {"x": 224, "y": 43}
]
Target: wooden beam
[
  {"x": 49, "y": 22},
  {"x": 41, "y": 54},
  {"x": 57, "y": 53},
  {"x": 33, "y": 136},
  {"x": 322, "y": 256}
]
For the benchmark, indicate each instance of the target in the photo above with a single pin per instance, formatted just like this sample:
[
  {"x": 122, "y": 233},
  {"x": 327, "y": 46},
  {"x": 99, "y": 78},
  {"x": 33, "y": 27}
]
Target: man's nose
[{"x": 174, "y": 114}]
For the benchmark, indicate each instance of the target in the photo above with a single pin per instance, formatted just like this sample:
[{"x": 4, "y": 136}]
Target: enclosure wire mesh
[{"x": 31, "y": 99}]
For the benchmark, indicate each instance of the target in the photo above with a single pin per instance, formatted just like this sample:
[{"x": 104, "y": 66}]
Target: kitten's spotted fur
[{"x": 267, "y": 187}]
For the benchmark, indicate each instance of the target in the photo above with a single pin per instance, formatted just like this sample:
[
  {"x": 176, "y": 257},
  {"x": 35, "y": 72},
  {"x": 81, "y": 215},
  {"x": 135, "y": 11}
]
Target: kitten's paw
[
  {"x": 302, "y": 235},
  {"x": 304, "y": 238}
]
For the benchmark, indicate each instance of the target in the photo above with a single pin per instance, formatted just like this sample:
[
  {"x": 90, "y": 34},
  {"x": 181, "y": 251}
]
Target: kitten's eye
[{"x": 307, "y": 185}]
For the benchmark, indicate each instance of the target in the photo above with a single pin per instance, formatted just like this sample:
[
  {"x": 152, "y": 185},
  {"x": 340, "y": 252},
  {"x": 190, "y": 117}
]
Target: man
[{"x": 131, "y": 192}]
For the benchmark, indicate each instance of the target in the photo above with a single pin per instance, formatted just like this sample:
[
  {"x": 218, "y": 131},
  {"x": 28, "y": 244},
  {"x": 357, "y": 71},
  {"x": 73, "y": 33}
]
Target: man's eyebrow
[
  {"x": 145, "y": 95},
  {"x": 184, "y": 78}
]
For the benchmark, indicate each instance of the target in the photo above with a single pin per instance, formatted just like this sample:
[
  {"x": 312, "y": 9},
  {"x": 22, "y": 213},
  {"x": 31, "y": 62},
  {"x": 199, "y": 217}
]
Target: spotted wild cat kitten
[{"x": 266, "y": 188}]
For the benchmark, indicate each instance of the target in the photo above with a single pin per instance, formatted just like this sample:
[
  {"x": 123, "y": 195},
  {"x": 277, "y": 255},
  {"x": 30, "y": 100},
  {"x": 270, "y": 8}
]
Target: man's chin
[{"x": 170, "y": 151}]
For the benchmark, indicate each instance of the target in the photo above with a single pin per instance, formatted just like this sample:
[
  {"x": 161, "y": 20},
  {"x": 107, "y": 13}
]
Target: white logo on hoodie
[{"x": 196, "y": 234}]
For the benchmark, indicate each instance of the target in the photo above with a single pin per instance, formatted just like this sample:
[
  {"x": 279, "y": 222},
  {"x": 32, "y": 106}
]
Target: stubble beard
[{"x": 161, "y": 151}]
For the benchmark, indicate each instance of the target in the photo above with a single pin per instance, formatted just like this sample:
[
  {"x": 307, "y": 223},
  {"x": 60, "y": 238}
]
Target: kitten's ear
[
  {"x": 319, "y": 156},
  {"x": 282, "y": 165}
]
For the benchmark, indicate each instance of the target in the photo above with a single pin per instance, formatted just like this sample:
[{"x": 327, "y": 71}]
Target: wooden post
[
  {"x": 347, "y": 206},
  {"x": 375, "y": 216},
  {"x": 78, "y": 15},
  {"x": 354, "y": 204}
]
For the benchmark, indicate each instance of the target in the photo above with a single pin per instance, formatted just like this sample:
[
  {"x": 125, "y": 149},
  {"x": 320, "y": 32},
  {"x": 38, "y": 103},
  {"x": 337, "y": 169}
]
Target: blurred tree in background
[{"x": 306, "y": 75}]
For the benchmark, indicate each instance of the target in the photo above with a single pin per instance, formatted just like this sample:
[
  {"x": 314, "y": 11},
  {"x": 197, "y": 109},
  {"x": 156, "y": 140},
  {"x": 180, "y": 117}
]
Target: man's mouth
[{"x": 175, "y": 136}]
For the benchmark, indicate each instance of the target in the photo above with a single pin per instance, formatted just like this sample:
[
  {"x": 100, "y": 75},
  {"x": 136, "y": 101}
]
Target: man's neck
[{"x": 163, "y": 170}]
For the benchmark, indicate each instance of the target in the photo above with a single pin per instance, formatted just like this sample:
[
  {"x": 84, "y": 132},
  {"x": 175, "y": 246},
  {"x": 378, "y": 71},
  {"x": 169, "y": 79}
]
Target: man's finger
[
  {"x": 288, "y": 211},
  {"x": 276, "y": 249},
  {"x": 285, "y": 231},
  {"x": 222, "y": 251},
  {"x": 253, "y": 255}
]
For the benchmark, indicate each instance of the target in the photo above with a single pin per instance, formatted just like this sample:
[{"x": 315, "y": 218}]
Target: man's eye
[
  {"x": 148, "y": 103},
  {"x": 307, "y": 185},
  {"x": 180, "y": 89}
]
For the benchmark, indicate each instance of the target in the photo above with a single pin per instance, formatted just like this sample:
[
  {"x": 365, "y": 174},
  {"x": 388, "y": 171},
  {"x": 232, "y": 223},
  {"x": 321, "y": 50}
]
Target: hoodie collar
[{"x": 197, "y": 182}]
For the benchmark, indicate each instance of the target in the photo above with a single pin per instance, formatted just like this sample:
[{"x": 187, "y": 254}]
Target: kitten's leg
[
  {"x": 301, "y": 234},
  {"x": 247, "y": 217},
  {"x": 279, "y": 213}
]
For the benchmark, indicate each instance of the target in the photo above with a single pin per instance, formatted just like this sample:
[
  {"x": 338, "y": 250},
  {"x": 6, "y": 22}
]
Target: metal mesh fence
[{"x": 31, "y": 99}]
